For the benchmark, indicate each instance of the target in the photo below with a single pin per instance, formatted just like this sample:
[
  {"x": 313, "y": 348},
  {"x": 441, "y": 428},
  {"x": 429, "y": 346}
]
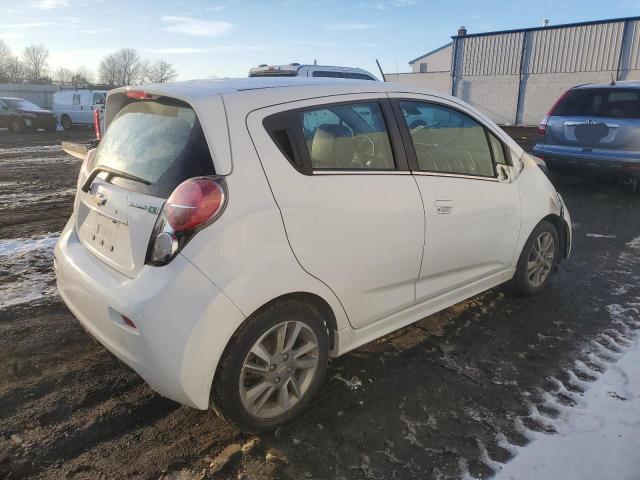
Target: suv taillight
[
  {"x": 542, "y": 128},
  {"x": 96, "y": 122},
  {"x": 194, "y": 204}
]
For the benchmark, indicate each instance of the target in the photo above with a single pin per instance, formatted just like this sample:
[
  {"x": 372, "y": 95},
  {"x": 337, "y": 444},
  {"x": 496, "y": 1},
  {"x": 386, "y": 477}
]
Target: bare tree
[
  {"x": 123, "y": 67},
  {"x": 109, "y": 70},
  {"x": 85, "y": 74},
  {"x": 5, "y": 58},
  {"x": 131, "y": 66},
  {"x": 160, "y": 72},
  {"x": 35, "y": 59},
  {"x": 63, "y": 75},
  {"x": 14, "y": 70}
]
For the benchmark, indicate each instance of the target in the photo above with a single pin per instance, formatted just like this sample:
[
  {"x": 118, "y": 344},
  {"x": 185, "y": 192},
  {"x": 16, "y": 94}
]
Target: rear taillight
[
  {"x": 542, "y": 128},
  {"x": 194, "y": 204},
  {"x": 96, "y": 123}
]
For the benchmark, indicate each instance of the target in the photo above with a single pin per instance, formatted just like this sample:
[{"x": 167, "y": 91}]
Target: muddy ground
[{"x": 458, "y": 393}]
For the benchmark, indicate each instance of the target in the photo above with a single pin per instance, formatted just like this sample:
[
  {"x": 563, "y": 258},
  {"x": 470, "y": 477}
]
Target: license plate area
[{"x": 106, "y": 237}]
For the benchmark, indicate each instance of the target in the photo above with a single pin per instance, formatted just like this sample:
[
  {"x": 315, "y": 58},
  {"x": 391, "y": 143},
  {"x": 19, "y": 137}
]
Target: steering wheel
[{"x": 364, "y": 151}]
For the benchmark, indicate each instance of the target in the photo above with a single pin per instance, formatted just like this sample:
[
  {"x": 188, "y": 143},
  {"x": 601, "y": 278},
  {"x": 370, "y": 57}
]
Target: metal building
[{"x": 514, "y": 76}]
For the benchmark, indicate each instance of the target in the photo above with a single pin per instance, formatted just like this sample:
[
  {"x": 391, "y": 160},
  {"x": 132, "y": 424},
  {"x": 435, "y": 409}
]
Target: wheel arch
[
  {"x": 313, "y": 299},
  {"x": 563, "y": 232}
]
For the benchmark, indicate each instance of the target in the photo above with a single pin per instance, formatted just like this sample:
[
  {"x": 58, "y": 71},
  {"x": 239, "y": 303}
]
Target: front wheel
[
  {"x": 537, "y": 260},
  {"x": 272, "y": 367}
]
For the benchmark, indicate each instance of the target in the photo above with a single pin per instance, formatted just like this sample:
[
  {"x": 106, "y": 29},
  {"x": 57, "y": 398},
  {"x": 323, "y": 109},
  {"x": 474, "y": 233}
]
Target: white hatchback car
[{"x": 228, "y": 237}]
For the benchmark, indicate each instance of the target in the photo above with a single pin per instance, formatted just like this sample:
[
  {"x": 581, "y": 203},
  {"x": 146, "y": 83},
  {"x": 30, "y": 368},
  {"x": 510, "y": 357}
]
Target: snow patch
[
  {"x": 602, "y": 440},
  {"x": 599, "y": 235},
  {"x": 26, "y": 269}
]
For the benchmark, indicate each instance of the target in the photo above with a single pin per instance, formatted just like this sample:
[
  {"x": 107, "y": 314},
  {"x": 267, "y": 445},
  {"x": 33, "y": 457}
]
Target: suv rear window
[
  {"x": 600, "y": 102},
  {"x": 160, "y": 141}
]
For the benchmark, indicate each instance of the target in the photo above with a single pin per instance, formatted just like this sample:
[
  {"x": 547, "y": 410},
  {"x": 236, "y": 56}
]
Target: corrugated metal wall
[
  {"x": 587, "y": 48},
  {"x": 491, "y": 54},
  {"x": 516, "y": 76}
]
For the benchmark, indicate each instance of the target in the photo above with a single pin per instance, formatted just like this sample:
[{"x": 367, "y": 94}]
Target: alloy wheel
[
  {"x": 279, "y": 369},
  {"x": 541, "y": 257}
]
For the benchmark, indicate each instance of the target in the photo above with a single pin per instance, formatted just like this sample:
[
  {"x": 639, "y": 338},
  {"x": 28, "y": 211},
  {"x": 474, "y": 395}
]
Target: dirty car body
[{"x": 229, "y": 236}]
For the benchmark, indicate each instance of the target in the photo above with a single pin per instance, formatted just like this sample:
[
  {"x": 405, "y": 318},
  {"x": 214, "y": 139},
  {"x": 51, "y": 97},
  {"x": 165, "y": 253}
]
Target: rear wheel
[
  {"x": 17, "y": 125},
  {"x": 66, "y": 122},
  {"x": 537, "y": 260},
  {"x": 272, "y": 367}
]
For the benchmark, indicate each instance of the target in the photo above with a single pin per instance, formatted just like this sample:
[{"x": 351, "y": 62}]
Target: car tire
[
  {"x": 537, "y": 260},
  {"x": 17, "y": 125},
  {"x": 277, "y": 372},
  {"x": 66, "y": 122}
]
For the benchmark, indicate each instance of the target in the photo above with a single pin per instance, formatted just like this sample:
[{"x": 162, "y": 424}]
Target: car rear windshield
[
  {"x": 159, "y": 141},
  {"x": 600, "y": 102}
]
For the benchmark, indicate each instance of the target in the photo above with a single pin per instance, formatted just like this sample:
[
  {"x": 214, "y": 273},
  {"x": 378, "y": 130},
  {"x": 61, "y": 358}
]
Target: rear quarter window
[{"x": 160, "y": 141}]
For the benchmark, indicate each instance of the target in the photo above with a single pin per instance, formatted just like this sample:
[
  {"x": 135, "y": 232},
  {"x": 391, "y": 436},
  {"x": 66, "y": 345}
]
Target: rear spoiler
[{"x": 79, "y": 150}]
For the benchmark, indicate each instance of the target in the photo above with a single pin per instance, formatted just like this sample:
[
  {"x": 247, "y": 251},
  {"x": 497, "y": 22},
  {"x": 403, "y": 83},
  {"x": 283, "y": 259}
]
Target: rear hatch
[
  {"x": 596, "y": 118},
  {"x": 152, "y": 145}
]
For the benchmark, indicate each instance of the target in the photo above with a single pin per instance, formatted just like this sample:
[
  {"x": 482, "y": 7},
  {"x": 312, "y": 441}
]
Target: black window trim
[
  {"x": 411, "y": 152},
  {"x": 291, "y": 120}
]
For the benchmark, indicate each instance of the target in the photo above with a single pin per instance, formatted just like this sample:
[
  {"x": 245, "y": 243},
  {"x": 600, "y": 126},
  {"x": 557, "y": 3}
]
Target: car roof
[
  {"x": 198, "y": 89},
  {"x": 622, "y": 84}
]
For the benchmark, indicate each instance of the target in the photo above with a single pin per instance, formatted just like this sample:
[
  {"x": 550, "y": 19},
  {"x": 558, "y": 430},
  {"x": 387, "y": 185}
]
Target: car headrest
[{"x": 329, "y": 152}]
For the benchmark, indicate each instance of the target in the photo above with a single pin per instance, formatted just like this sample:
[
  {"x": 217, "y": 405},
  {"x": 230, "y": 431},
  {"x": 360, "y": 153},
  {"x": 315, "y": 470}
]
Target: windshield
[
  {"x": 21, "y": 104},
  {"x": 160, "y": 141}
]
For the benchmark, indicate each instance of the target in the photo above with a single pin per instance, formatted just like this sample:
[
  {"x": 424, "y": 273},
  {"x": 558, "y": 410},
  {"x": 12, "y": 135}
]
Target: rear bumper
[
  {"x": 582, "y": 159},
  {"x": 175, "y": 308}
]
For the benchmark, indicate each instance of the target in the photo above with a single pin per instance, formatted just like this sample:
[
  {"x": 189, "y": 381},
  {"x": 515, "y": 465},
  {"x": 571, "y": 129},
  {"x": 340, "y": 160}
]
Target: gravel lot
[{"x": 458, "y": 393}]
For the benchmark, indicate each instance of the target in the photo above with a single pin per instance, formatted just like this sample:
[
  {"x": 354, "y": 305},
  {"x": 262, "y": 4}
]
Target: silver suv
[{"x": 594, "y": 126}]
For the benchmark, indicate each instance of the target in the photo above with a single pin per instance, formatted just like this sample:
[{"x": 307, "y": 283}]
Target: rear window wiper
[{"x": 111, "y": 172}]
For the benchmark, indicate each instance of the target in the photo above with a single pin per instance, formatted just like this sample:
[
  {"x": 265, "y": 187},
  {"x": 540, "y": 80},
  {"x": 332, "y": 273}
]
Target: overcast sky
[{"x": 225, "y": 38}]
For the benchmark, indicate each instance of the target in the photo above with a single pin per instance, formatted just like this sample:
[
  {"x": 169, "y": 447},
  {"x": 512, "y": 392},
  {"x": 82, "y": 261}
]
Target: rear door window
[
  {"x": 347, "y": 137},
  {"x": 600, "y": 102},
  {"x": 159, "y": 141}
]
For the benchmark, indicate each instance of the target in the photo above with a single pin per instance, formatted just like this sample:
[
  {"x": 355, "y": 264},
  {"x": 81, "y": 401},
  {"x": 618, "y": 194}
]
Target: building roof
[
  {"x": 411, "y": 62},
  {"x": 530, "y": 29},
  {"x": 549, "y": 27}
]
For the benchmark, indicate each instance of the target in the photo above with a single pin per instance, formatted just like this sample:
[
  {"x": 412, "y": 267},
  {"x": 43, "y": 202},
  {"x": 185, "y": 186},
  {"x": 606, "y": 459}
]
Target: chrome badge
[
  {"x": 142, "y": 206},
  {"x": 99, "y": 199}
]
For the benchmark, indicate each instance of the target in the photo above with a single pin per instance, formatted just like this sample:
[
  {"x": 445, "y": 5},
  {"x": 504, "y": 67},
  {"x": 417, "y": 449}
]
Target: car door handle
[{"x": 444, "y": 207}]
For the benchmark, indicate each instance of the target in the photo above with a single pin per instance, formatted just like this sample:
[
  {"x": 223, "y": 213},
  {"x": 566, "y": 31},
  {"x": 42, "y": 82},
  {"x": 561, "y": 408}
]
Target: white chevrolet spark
[{"x": 228, "y": 237}]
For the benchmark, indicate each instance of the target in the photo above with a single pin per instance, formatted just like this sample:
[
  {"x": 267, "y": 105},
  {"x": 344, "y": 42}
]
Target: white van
[
  {"x": 75, "y": 107},
  {"x": 299, "y": 70}
]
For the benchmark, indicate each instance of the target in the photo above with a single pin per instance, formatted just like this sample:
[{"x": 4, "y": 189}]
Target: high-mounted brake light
[
  {"x": 542, "y": 128},
  {"x": 195, "y": 203},
  {"x": 139, "y": 95}
]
